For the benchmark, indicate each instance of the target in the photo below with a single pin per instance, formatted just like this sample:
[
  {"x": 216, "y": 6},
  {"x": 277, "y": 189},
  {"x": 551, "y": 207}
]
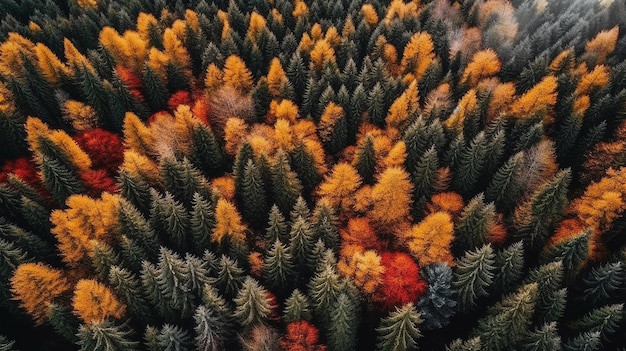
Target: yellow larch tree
[
  {"x": 398, "y": 113},
  {"x": 467, "y": 105},
  {"x": 285, "y": 109},
  {"x": 500, "y": 101},
  {"x": 141, "y": 166},
  {"x": 13, "y": 52},
  {"x": 175, "y": 50},
  {"x": 359, "y": 232},
  {"x": 429, "y": 241},
  {"x": 257, "y": 23},
  {"x": 214, "y": 78},
  {"x": 602, "y": 45},
  {"x": 363, "y": 267},
  {"x": 396, "y": 156},
  {"x": 391, "y": 198},
  {"x": 35, "y": 286},
  {"x": 300, "y": 9},
  {"x": 95, "y": 302},
  {"x": 340, "y": 186},
  {"x": 283, "y": 134},
  {"x": 228, "y": 223},
  {"x": 563, "y": 62},
  {"x": 81, "y": 116},
  {"x": 331, "y": 115},
  {"x": 157, "y": 61},
  {"x": 225, "y": 187},
  {"x": 145, "y": 23},
  {"x": 369, "y": 14},
  {"x": 50, "y": 65},
  {"x": 321, "y": 54},
  {"x": 87, "y": 3},
  {"x": 137, "y": 136},
  {"x": 484, "y": 64},
  {"x": 75, "y": 59},
  {"x": 332, "y": 36},
  {"x": 38, "y": 132},
  {"x": 237, "y": 75},
  {"x": 539, "y": 100},
  {"x": 235, "y": 132},
  {"x": 591, "y": 82},
  {"x": 276, "y": 77},
  {"x": 418, "y": 54}
]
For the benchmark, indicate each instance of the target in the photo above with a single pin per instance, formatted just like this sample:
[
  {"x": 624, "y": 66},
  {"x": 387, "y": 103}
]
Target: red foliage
[
  {"x": 301, "y": 336},
  {"x": 201, "y": 109},
  {"x": 103, "y": 147},
  {"x": 97, "y": 181},
  {"x": 131, "y": 80},
  {"x": 401, "y": 282},
  {"x": 22, "y": 168},
  {"x": 180, "y": 97}
]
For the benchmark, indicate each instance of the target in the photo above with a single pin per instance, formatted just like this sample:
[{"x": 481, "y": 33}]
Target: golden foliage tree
[
  {"x": 484, "y": 64},
  {"x": 467, "y": 105},
  {"x": 391, "y": 198},
  {"x": 363, "y": 267},
  {"x": 340, "y": 186},
  {"x": 228, "y": 223},
  {"x": 39, "y": 134},
  {"x": 539, "y": 100},
  {"x": 429, "y": 241},
  {"x": 94, "y": 302},
  {"x": 418, "y": 54},
  {"x": 322, "y": 54},
  {"x": 137, "y": 137},
  {"x": 591, "y": 82},
  {"x": 602, "y": 45},
  {"x": 276, "y": 77},
  {"x": 236, "y": 74},
  {"x": 35, "y": 286}
]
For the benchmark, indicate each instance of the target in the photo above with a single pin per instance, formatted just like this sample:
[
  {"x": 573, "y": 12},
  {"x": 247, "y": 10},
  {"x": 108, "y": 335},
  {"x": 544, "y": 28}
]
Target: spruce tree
[
  {"x": 301, "y": 242},
  {"x": 206, "y": 153},
  {"x": 473, "y": 275},
  {"x": 506, "y": 322},
  {"x": 587, "y": 341},
  {"x": 229, "y": 276},
  {"x": 324, "y": 289},
  {"x": 105, "y": 336},
  {"x": 509, "y": 266},
  {"x": 601, "y": 284},
  {"x": 470, "y": 164},
  {"x": 182, "y": 180},
  {"x": 325, "y": 224},
  {"x": 172, "y": 337},
  {"x": 399, "y": 330},
  {"x": 286, "y": 187},
  {"x": 303, "y": 163},
  {"x": 605, "y": 320},
  {"x": 573, "y": 253},
  {"x": 128, "y": 288},
  {"x": 278, "y": 266},
  {"x": 438, "y": 304},
  {"x": 202, "y": 222},
  {"x": 472, "y": 229},
  {"x": 544, "y": 338},
  {"x": 252, "y": 303},
  {"x": 136, "y": 190},
  {"x": 254, "y": 199},
  {"x": 210, "y": 333},
  {"x": 549, "y": 280},
  {"x": 504, "y": 185},
  {"x": 342, "y": 330},
  {"x": 472, "y": 344},
  {"x": 277, "y": 228},
  {"x": 297, "y": 307},
  {"x": 134, "y": 225},
  {"x": 170, "y": 219},
  {"x": 365, "y": 159}
]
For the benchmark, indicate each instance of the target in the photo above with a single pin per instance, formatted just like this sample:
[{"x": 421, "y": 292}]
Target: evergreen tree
[
  {"x": 504, "y": 186},
  {"x": 324, "y": 288},
  {"x": 605, "y": 320},
  {"x": 424, "y": 178},
  {"x": 183, "y": 181},
  {"x": 277, "y": 227},
  {"x": 549, "y": 280},
  {"x": 170, "y": 219},
  {"x": 509, "y": 266},
  {"x": 252, "y": 303},
  {"x": 399, "y": 330},
  {"x": 472, "y": 344},
  {"x": 206, "y": 153},
  {"x": 136, "y": 190},
  {"x": 254, "y": 199},
  {"x": 325, "y": 224},
  {"x": 544, "y": 338},
  {"x": 506, "y": 322},
  {"x": 64, "y": 322},
  {"x": 472, "y": 229},
  {"x": 473, "y": 275},
  {"x": 297, "y": 307},
  {"x": 105, "y": 336},
  {"x": 286, "y": 187},
  {"x": 438, "y": 304},
  {"x": 365, "y": 159},
  {"x": 303, "y": 163},
  {"x": 470, "y": 164},
  {"x": 172, "y": 337},
  {"x": 229, "y": 276},
  {"x": 300, "y": 209},
  {"x": 202, "y": 222},
  {"x": 573, "y": 253},
  {"x": 136, "y": 227},
  {"x": 278, "y": 266},
  {"x": 587, "y": 341},
  {"x": 342, "y": 330},
  {"x": 376, "y": 107},
  {"x": 128, "y": 288},
  {"x": 602, "y": 284},
  {"x": 301, "y": 242},
  {"x": 210, "y": 333}
]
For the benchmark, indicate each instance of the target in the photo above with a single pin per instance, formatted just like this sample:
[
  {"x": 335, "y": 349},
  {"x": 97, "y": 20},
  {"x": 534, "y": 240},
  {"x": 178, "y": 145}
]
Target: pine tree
[
  {"x": 603, "y": 283},
  {"x": 507, "y": 321},
  {"x": 172, "y": 337},
  {"x": 509, "y": 266},
  {"x": 473, "y": 275},
  {"x": 277, "y": 227},
  {"x": 470, "y": 163},
  {"x": 105, "y": 336},
  {"x": 278, "y": 266},
  {"x": 170, "y": 219},
  {"x": 325, "y": 224},
  {"x": 504, "y": 187},
  {"x": 549, "y": 280},
  {"x": 297, "y": 307},
  {"x": 324, "y": 288},
  {"x": 301, "y": 242},
  {"x": 254, "y": 199},
  {"x": 472, "y": 229},
  {"x": 605, "y": 320},
  {"x": 133, "y": 224},
  {"x": 342, "y": 330},
  {"x": 399, "y": 330},
  {"x": 543, "y": 338},
  {"x": 182, "y": 180},
  {"x": 303, "y": 162},
  {"x": 376, "y": 106},
  {"x": 285, "y": 185},
  {"x": 252, "y": 303},
  {"x": 136, "y": 190},
  {"x": 573, "y": 252},
  {"x": 202, "y": 222},
  {"x": 438, "y": 304},
  {"x": 472, "y": 344},
  {"x": 230, "y": 276},
  {"x": 424, "y": 177},
  {"x": 365, "y": 159},
  {"x": 128, "y": 288},
  {"x": 587, "y": 341},
  {"x": 209, "y": 330}
]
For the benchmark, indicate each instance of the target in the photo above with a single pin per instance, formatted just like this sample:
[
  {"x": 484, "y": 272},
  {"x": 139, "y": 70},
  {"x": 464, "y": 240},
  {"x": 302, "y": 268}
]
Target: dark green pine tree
[
  {"x": 543, "y": 338},
  {"x": 128, "y": 288},
  {"x": 105, "y": 336},
  {"x": 220, "y": 309},
  {"x": 473, "y": 275},
  {"x": 376, "y": 107},
  {"x": 526, "y": 135},
  {"x": 301, "y": 243},
  {"x": 277, "y": 228},
  {"x": 472, "y": 228},
  {"x": 297, "y": 73},
  {"x": 95, "y": 93},
  {"x": 325, "y": 226},
  {"x": 573, "y": 253},
  {"x": 358, "y": 105},
  {"x": 605, "y": 320},
  {"x": 300, "y": 209},
  {"x": 286, "y": 187},
  {"x": 602, "y": 284},
  {"x": 365, "y": 159},
  {"x": 504, "y": 187},
  {"x": 103, "y": 257},
  {"x": 6, "y": 344},
  {"x": 506, "y": 322},
  {"x": 349, "y": 74},
  {"x": 135, "y": 226},
  {"x": 344, "y": 322},
  {"x": 537, "y": 216},
  {"x": 399, "y": 330},
  {"x": 253, "y": 304},
  {"x": 172, "y": 337},
  {"x": 303, "y": 164},
  {"x": 470, "y": 164},
  {"x": 278, "y": 267},
  {"x": 509, "y": 267},
  {"x": 44, "y": 92},
  {"x": 136, "y": 190},
  {"x": 549, "y": 280},
  {"x": 230, "y": 276},
  {"x": 12, "y": 134},
  {"x": 182, "y": 180},
  {"x": 37, "y": 216},
  {"x": 419, "y": 137},
  {"x": 324, "y": 288},
  {"x": 154, "y": 90},
  {"x": 206, "y": 153},
  {"x": 26, "y": 240},
  {"x": 297, "y": 307},
  {"x": 170, "y": 219},
  {"x": 587, "y": 341},
  {"x": 11, "y": 256},
  {"x": 438, "y": 304},
  {"x": 202, "y": 222},
  {"x": 61, "y": 180},
  {"x": 262, "y": 98},
  {"x": 210, "y": 330},
  {"x": 254, "y": 199},
  {"x": 311, "y": 97},
  {"x": 244, "y": 154},
  {"x": 424, "y": 177},
  {"x": 9, "y": 202}
]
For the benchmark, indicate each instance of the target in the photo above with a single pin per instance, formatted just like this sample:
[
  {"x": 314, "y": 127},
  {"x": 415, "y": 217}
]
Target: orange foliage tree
[
  {"x": 340, "y": 186},
  {"x": 94, "y": 302},
  {"x": 391, "y": 198},
  {"x": 539, "y": 100},
  {"x": 484, "y": 64},
  {"x": 418, "y": 54},
  {"x": 429, "y": 241}
]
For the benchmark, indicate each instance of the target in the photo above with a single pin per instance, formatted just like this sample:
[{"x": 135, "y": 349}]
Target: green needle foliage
[{"x": 399, "y": 330}]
